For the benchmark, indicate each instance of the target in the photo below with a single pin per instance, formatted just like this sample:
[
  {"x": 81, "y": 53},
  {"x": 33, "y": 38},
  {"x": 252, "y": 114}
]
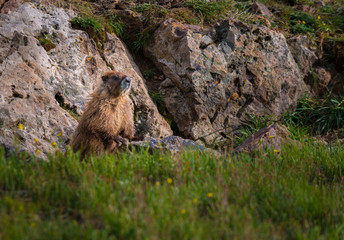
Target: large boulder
[
  {"x": 47, "y": 72},
  {"x": 215, "y": 77}
]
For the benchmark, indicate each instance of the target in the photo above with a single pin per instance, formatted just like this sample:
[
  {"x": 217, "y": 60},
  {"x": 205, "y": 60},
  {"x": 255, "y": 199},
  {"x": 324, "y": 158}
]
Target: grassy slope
[{"x": 297, "y": 194}]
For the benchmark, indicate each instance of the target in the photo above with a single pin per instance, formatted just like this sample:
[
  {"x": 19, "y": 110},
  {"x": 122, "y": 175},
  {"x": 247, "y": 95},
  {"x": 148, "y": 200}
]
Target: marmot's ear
[{"x": 104, "y": 78}]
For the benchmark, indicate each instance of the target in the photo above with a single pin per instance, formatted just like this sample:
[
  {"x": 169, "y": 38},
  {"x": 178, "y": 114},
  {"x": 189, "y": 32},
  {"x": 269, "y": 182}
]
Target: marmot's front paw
[{"x": 121, "y": 142}]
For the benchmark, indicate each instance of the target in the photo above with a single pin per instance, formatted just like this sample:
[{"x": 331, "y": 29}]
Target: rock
[
  {"x": 260, "y": 8},
  {"x": 271, "y": 137},
  {"x": 337, "y": 83},
  {"x": 174, "y": 144},
  {"x": 9, "y": 6},
  {"x": 303, "y": 55},
  {"x": 215, "y": 77},
  {"x": 318, "y": 80},
  {"x": 41, "y": 92},
  {"x": 305, "y": 8},
  {"x": 31, "y": 117},
  {"x": 319, "y": 3},
  {"x": 148, "y": 120}
]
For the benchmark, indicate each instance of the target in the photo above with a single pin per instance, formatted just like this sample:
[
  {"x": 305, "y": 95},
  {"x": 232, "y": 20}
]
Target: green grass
[
  {"x": 297, "y": 194},
  {"x": 46, "y": 43},
  {"x": 87, "y": 23},
  {"x": 141, "y": 40},
  {"x": 319, "y": 115},
  {"x": 145, "y": 7},
  {"x": 210, "y": 11},
  {"x": 250, "y": 125}
]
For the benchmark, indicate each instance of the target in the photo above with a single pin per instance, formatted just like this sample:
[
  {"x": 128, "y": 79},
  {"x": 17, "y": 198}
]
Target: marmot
[{"x": 107, "y": 118}]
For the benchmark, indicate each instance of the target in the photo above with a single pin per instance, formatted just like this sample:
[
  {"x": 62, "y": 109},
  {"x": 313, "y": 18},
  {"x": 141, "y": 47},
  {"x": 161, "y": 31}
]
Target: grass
[
  {"x": 295, "y": 195},
  {"x": 46, "y": 43},
  {"x": 92, "y": 26},
  {"x": 116, "y": 25},
  {"x": 149, "y": 73},
  {"x": 320, "y": 115},
  {"x": 251, "y": 125},
  {"x": 140, "y": 40},
  {"x": 209, "y": 11}
]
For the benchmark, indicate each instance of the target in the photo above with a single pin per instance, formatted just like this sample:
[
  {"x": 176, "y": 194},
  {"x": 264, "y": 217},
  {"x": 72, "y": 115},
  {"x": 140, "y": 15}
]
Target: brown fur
[{"x": 107, "y": 118}]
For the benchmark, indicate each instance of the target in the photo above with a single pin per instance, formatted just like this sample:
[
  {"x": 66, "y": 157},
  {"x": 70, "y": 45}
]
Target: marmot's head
[{"x": 115, "y": 84}]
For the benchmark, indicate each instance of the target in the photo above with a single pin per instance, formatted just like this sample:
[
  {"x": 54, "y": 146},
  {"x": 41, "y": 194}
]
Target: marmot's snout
[{"x": 126, "y": 84}]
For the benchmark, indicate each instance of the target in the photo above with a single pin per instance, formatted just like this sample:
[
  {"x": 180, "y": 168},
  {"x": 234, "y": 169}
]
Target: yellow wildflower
[
  {"x": 38, "y": 151},
  {"x": 32, "y": 224},
  {"x": 36, "y": 140},
  {"x": 182, "y": 211},
  {"x": 21, "y": 126},
  {"x": 210, "y": 195},
  {"x": 235, "y": 96},
  {"x": 169, "y": 180},
  {"x": 160, "y": 159},
  {"x": 324, "y": 24},
  {"x": 303, "y": 22},
  {"x": 276, "y": 151},
  {"x": 271, "y": 136},
  {"x": 157, "y": 183},
  {"x": 53, "y": 144},
  {"x": 319, "y": 17},
  {"x": 59, "y": 134},
  {"x": 195, "y": 200}
]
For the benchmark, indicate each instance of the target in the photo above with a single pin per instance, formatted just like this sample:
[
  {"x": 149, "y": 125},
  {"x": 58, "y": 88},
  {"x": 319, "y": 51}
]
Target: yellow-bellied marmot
[{"x": 107, "y": 118}]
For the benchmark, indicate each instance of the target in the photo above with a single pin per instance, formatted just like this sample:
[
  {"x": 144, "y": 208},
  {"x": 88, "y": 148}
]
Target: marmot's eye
[{"x": 115, "y": 78}]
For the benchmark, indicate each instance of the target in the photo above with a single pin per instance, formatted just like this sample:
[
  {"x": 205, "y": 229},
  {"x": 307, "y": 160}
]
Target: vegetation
[
  {"x": 141, "y": 40},
  {"x": 116, "y": 25},
  {"x": 312, "y": 117},
  {"x": 209, "y": 12},
  {"x": 134, "y": 195},
  {"x": 92, "y": 26},
  {"x": 296, "y": 193},
  {"x": 46, "y": 43},
  {"x": 251, "y": 125},
  {"x": 320, "y": 115},
  {"x": 148, "y": 74}
]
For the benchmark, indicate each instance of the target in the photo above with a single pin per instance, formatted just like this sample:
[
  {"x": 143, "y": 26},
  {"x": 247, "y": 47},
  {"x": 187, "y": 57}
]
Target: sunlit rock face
[{"x": 215, "y": 77}]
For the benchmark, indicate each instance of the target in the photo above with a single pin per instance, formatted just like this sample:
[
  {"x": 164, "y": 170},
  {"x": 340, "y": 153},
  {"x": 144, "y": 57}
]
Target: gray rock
[
  {"x": 211, "y": 85},
  {"x": 318, "y": 80},
  {"x": 271, "y": 137},
  {"x": 260, "y": 8},
  {"x": 8, "y": 6},
  {"x": 174, "y": 144},
  {"x": 303, "y": 54}
]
